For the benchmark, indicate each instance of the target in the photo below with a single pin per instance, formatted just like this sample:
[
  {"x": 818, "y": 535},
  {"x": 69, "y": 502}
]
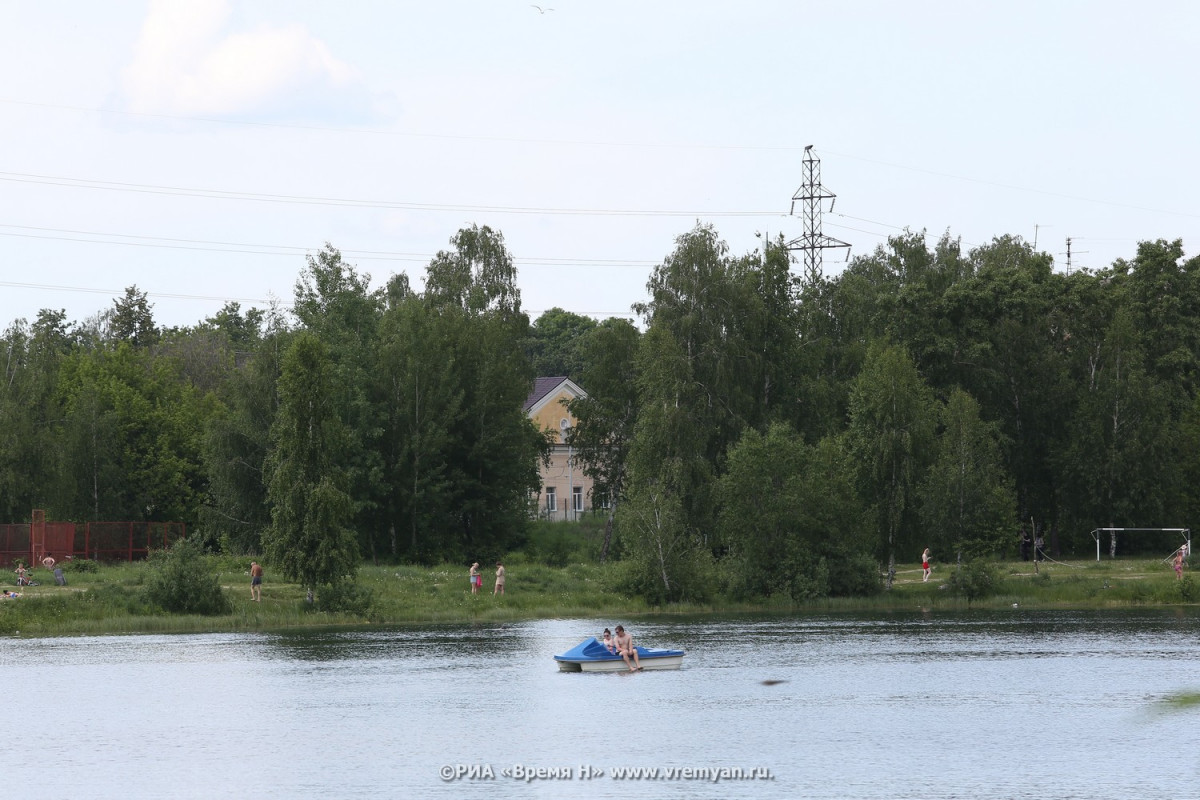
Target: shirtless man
[
  {"x": 256, "y": 573},
  {"x": 625, "y": 648},
  {"x": 48, "y": 562}
]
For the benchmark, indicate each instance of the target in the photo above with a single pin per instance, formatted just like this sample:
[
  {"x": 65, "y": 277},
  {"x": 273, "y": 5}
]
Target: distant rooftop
[{"x": 541, "y": 388}]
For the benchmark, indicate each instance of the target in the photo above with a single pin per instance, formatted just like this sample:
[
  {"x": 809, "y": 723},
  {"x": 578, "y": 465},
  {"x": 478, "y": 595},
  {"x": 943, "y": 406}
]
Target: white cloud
[{"x": 187, "y": 62}]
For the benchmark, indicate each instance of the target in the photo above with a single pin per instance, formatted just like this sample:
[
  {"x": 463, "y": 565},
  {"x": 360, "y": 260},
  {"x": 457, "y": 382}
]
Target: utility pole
[
  {"x": 1070, "y": 253},
  {"x": 813, "y": 241}
]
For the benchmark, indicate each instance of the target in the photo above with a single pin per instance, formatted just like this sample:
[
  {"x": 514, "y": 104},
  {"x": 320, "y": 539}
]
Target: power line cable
[
  {"x": 223, "y": 298},
  {"x": 582, "y": 143},
  {"x": 291, "y": 251},
  {"x": 220, "y": 194}
]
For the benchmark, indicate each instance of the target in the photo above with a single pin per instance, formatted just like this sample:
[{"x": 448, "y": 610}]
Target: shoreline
[{"x": 109, "y": 601}]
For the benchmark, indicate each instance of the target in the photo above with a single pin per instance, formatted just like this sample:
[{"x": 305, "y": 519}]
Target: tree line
[{"x": 758, "y": 434}]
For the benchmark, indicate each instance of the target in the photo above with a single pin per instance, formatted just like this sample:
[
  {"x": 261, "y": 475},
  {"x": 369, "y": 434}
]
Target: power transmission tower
[{"x": 813, "y": 241}]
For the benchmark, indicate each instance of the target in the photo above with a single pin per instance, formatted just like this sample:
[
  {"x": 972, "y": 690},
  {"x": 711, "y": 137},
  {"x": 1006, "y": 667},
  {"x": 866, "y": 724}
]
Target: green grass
[{"x": 111, "y": 599}]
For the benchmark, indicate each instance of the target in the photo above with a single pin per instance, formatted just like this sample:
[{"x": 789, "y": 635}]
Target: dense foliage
[
  {"x": 182, "y": 583},
  {"x": 759, "y": 434}
]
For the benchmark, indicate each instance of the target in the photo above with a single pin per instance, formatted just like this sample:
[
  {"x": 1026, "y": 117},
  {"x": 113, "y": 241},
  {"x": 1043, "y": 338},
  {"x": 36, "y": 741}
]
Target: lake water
[{"x": 965, "y": 705}]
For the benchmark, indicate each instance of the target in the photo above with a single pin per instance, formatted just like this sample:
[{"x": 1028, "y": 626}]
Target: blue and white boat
[{"x": 591, "y": 655}]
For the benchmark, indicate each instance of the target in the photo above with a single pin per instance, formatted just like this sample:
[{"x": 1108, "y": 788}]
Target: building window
[
  {"x": 551, "y": 499},
  {"x": 577, "y": 498}
]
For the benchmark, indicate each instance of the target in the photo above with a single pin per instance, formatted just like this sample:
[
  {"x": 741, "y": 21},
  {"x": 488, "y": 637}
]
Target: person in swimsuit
[
  {"x": 499, "y": 589},
  {"x": 475, "y": 578},
  {"x": 608, "y": 642},
  {"x": 626, "y": 649},
  {"x": 925, "y": 564},
  {"x": 1179, "y": 564},
  {"x": 256, "y": 573}
]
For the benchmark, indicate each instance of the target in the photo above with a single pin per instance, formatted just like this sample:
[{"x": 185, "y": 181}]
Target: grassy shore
[{"x": 111, "y": 599}]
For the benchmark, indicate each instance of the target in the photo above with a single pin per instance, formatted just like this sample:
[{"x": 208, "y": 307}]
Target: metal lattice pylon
[{"x": 811, "y": 193}]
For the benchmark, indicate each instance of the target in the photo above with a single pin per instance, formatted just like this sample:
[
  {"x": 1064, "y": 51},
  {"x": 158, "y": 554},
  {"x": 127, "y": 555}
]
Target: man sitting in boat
[{"x": 626, "y": 649}]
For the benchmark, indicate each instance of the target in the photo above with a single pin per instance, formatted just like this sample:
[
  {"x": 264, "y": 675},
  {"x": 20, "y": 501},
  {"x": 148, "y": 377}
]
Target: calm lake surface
[{"x": 941, "y": 705}]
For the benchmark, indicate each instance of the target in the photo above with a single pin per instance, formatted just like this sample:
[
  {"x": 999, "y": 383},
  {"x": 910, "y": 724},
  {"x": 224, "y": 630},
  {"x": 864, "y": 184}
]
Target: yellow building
[{"x": 566, "y": 492}]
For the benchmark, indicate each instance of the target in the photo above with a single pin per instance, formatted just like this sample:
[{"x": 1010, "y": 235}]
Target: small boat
[{"x": 591, "y": 655}]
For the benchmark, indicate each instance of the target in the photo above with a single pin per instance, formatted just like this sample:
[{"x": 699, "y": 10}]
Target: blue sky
[{"x": 199, "y": 149}]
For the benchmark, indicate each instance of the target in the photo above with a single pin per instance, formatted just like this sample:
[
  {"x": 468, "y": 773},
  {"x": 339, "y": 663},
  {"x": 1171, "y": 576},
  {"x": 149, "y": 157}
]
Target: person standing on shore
[
  {"x": 1179, "y": 564},
  {"x": 474, "y": 576},
  {"x": 499, "y": 589},
  {"x": 256, "y": 573},
  {"x": 925, "y": 565}
]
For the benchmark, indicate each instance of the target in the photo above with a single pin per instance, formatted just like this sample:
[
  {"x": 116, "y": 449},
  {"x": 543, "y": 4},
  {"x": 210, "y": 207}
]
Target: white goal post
[{"x": 1187, "y": 536}]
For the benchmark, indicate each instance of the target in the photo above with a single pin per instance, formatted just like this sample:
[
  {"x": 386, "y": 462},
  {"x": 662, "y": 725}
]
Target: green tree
[
  {"x": 335, "y": 303},
  {"x": 492, "y": 458},
  {"x": 132, "y": 435},
  {"x": 555, "y": 343},
  {"x": 790, "y": 517},
  {"x": 691, "y": 360},
  {"x": 237, "y": 440},
  {"x": 477, "y": 275},
  {"x": 668, "y": 561},
  {"x": 425, "y": 402},
  {"x": 309, "y": 538},
  {"x": 1120, "y": 451},
  {"x": 607, "y": 414},
  {"x": 1007, "y": 355},
  {"x": 891, "y": 435},
  {"x": 967, "y": 503},
  {"x": 132, "y": 319}
]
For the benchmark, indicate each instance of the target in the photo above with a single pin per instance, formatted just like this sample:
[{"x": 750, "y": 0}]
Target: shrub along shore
[{"x": 120, "y": 599}]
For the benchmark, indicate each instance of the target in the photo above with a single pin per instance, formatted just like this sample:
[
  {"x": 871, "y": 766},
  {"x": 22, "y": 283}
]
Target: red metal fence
[
  {"x": 99, "y": 541},
  {"x": 14, "y": 544}
]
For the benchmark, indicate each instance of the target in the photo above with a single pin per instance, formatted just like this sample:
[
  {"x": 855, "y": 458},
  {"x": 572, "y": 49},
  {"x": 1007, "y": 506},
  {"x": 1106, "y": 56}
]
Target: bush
[
  {"x": 975, "y": 580},
  {"x": 81, "y": 565},
  {"x": 346, "y": 597},
  {"x": 1181, "y": 591},
  {"x": 854, "y": 576},
  {"x": 557, "y": 544},
  {"x": 553, "y": 544},
  {"x": 181, "y": 583}
]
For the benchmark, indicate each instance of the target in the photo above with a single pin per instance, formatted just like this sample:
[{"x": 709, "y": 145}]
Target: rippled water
[{"x": 924, "y": 706}]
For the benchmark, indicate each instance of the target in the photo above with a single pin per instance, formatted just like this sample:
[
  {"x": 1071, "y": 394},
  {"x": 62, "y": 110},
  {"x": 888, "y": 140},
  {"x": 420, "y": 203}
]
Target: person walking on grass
[
  {"x": 925, "y": 565},
  {"x": 256, "y": 573},
  {"x": 499, "y": 589}
]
